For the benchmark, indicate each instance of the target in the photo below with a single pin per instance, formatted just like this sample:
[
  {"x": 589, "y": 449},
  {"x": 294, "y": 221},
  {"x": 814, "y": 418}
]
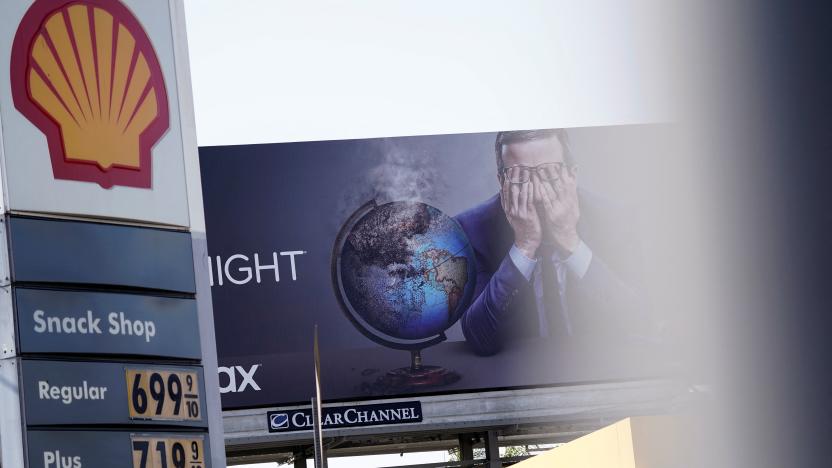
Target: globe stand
[{"x": 417, "y": 376}]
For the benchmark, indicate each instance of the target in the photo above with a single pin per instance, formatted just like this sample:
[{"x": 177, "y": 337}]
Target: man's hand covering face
[
  {"x": 518, "y": 204},
  {"x": 557, "y": 203}
]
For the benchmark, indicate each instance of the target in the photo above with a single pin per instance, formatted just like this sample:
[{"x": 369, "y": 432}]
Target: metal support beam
[
  {"x": 300, "y": 458},
  {"x": 492, "y": 450},
  {"x": 466, "y": 447}
]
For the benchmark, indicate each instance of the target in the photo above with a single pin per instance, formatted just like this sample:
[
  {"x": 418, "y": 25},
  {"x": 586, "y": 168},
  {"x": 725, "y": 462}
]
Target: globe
[{"x": 404, "y": 272}]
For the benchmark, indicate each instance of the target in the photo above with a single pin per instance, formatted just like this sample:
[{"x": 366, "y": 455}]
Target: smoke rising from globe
[{"x": 405, "y": 172}]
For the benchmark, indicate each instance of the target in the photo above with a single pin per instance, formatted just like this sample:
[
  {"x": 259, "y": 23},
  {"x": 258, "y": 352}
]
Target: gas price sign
[
  {"x": 109, "y": 449},
  {"x": 65, "y": 392},
  {"x": 101, "y": 327},
  {"x": 168, "y": 452},
  {"x": 168, "y": 395}
]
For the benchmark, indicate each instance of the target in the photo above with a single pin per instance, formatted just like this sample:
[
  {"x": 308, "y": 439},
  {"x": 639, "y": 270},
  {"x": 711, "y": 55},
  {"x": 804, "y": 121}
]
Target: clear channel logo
[{"x": 279, "y": 421}]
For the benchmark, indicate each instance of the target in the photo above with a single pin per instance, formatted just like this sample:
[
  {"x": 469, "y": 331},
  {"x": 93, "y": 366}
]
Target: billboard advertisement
[{"x": 430, "y": 264}]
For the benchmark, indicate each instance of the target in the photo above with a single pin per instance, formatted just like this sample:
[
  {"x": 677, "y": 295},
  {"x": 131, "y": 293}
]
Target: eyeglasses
[{"x": 520, "y": 174}]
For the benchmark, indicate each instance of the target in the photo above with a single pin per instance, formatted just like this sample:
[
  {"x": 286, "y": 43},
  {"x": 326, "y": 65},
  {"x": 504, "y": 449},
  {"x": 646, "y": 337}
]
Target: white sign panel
[{"x": 90, "y": 110}]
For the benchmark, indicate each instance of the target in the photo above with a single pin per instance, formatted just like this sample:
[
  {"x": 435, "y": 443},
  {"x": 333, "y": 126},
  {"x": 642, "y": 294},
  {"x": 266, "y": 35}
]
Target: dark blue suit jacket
[{"x": 504, "y": 305}]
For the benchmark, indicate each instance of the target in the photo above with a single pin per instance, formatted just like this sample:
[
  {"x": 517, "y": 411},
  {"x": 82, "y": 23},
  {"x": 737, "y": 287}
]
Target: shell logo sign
[{"x": 85, "y": 73}]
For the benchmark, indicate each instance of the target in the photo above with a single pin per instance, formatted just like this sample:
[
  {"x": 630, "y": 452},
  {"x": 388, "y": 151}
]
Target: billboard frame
[{"x": 568, "y": 410}]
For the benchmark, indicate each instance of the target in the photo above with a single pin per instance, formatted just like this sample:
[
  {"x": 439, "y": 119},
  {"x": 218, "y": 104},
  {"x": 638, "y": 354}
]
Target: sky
[{"x": 266, "y": 71}]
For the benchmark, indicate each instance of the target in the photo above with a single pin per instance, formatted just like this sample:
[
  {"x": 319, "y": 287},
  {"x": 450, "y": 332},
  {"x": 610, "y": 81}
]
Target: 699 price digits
[{"x": 163, "y": 395}]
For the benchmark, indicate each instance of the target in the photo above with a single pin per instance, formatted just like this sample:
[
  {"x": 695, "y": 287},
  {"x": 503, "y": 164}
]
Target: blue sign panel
[
  {"x": 87, "y": 393},
  {"x": 58, "y": 321},
  {"x": 74, "y": 252},
  {"x": 87, "y": 449}
]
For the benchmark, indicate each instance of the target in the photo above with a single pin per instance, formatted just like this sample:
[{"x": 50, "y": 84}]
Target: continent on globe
[{"x": 449, "y": 271}]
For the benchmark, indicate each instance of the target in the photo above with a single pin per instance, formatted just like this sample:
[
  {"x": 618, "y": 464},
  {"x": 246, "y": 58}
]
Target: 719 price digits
[{"x": 151, "y": 452}]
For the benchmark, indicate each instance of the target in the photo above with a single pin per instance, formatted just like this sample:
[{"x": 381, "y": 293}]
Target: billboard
[{"x": 430, "y": 264}]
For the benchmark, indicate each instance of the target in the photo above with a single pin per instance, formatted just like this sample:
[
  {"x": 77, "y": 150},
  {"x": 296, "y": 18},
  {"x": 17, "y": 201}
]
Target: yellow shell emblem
[{"x": 85, "y": 73}]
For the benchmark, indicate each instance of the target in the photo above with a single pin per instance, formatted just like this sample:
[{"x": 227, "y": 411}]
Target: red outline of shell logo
[{"x": 85, "y": 73}]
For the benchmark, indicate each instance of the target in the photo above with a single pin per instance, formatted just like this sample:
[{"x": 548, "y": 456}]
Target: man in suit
[{"x": 541, "y": 253}]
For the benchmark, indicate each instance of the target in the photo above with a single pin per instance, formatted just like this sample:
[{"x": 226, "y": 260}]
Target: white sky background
[
  {"x": 270, "y": 71},
  {"x": 273, "y": 71}
]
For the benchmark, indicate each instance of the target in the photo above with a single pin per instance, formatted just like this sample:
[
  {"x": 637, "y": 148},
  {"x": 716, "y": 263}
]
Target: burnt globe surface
[{"x": 406, "y": 269}]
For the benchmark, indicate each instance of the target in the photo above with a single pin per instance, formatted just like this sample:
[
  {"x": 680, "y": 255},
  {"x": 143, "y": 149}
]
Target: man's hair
[{"x": 516, "y": 136}]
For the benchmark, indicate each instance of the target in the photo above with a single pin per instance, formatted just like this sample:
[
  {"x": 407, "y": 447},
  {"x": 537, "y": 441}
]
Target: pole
[
  {"x": 318, "y": 436},
  {"x": 466, "y": 448},
  {"x": 492, "y": 450},
  {"x": 300, "y": 458}
]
